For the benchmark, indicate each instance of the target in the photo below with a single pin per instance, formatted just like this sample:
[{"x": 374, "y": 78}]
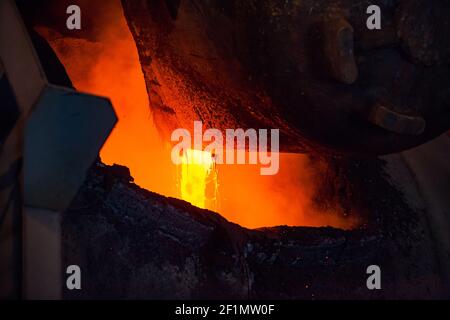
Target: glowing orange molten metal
[{"x": 111, "y": 68}]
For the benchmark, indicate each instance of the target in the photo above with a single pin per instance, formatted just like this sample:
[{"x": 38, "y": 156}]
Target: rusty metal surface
[{"x": 310, "y": 68}]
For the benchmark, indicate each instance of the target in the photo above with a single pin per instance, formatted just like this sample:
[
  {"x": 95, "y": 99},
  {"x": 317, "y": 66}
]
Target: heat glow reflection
[{"x": 110, "y": 67}]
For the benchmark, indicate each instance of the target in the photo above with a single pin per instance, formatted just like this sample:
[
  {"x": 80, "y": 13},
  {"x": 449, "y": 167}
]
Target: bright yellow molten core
[{"x": 198, "y": 179}]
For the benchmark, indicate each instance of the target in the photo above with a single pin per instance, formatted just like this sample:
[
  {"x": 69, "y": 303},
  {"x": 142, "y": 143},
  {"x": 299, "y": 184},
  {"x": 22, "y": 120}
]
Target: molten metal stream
[
  {"x": 198, "y": 183},
  {"x": 238, "y": 192}
]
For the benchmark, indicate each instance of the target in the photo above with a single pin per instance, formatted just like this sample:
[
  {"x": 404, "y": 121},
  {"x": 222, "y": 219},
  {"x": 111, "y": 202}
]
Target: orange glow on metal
[{"x": 111, "y": 68}]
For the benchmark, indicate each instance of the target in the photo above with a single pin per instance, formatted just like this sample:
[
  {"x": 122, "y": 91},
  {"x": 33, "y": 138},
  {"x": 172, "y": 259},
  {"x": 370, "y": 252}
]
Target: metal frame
[{"x": 58, "y": 135}]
